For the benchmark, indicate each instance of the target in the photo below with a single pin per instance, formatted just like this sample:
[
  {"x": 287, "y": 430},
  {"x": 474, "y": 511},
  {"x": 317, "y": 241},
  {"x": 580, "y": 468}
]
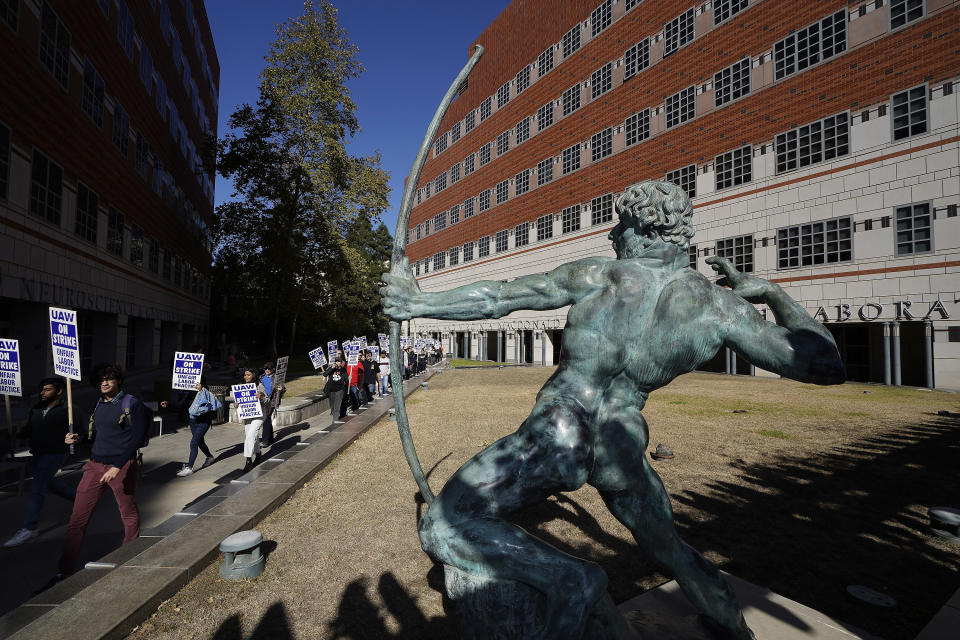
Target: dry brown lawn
[{"x": 810, "y": 490}]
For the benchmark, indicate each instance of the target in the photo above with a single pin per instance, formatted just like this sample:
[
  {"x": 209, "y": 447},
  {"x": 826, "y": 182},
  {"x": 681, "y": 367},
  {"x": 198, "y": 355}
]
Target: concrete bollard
[
  {"x": 425, "y": 386},
  {"x": 241, "y": 556}
]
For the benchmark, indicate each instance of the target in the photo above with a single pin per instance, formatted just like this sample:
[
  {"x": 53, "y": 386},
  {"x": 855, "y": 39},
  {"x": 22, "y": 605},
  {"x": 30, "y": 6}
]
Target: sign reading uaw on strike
[
  {"x": 10, "y": 368},
  {"x": 245, "y": 397},
  {"x": 66, "y": 345},
  {"x": 187, "y": 369}
]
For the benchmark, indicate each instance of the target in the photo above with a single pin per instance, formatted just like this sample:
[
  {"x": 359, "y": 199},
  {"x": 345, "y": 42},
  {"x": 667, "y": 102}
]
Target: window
[
  {"x": 440, "y": 183},
  {"x": 630, "y": 4},
  {"x": 601, "y": 81},
  {"x": 146, "y": 68},
  {"x": 909, "y": 112},
  {"x": 485, "y": 108},
  {"x": 485, "y": 154},
  {"x": 426, "y": 265},
  {"x": 544, "y": 227},
  {"x": 692, "y": 255},
  {"x": 571, "y": 41},
  {"x": 136, "y": 244},
  {"x": 92, "y": 100},
  {"x": 681, "y": 107},
  {"x": 500, "y": 241},
  {"x": 523, "y": 130},
  {"x": 637, "y": 127},
  {"x": 815, "y": 243},
  {"x": 167, "y": 263},
  {"x": 731, "y": 83},
  {"x": 601, "y": 18},
  {"x": 115, "y": 237},
  {"x": 157, "y": 175},
  {"x": 426, "y": 228},
  {"x": 601, "y": 209},
  {"x": 636, "y": 59},
  {"x": 545, "y": 116},
  {"x": 483, "y": 247},
  {"x": 571, "y": 99},
  {"x": 468, "y": 164},
  {"x": 46, "y": 188},
  {"x": 521, "y": 183},
  {"x": 426, "y": 191},
  {"x": 455, "y": 173},
  {"x": 601, "y": 144},
  {"x": 523, "y": 79},
  {"x": 440, "y": 221},
  {"x": 521, "y": 234},
  {"x": 467, "y": 251},
  {"x": 544, "y": 171},
  {"x": 685, "y": 178},
  {"x": 454, "y": 132},
  {"x": 416, "y": 267},
  {"x": 571, "y": 159},
  {"x": 468, "y": 208},
  {"x": 737, "y": 250},
  {"x": 469, "y": 121},
  {"x": 723, "y": 9},
  {"x": 54, "y": 45},
  {"x": 10, "y": 13},
  {"x": 454, "y": 214},
  {"x": 454, "y": 256},
  {"x": 121, "y": 128},
  {"x": 153, "y": 257},
  {"x": 734, "y": 167},
  {"x": 570, "y": 219},
  {"x": 439, "y": 260},
  {"x": 86, "y": 222},
  {"x": 503, "y": 190},
  {"x": 440, "y": 145},
  {"x": 503, "y": 143},
  {"x": 545, "y": 62},
  {"x": 161, "y": 100},
  {"x": 815, "y": 142},
  {"x": 419, "y": 231},
  {"x": 503, "y": 95},
  {"x": 4, "y": 161},
  {"x": 820, "y": 41},
  {"x": 484, "y": 200},
  {"x": 125, "y": 29},
  {"x": 678, "y": 32},
  {"x": 904, "y": 11},
  {"x": 914, "y": 229}
]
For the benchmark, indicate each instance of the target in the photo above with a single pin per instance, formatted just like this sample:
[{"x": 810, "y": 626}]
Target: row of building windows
[
  {"x": 804, "y": 245},
  {"x": 811, "y": 143}
]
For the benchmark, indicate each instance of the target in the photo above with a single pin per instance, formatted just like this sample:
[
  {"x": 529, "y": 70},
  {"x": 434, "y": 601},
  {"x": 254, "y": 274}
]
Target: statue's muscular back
[{"x": 632, "y": 330}]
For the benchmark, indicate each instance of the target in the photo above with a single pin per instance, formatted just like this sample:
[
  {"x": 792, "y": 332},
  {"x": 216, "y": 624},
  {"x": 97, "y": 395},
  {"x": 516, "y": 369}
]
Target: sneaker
[
  {"x": 24, "y": 535},
  {"x": 207, "y": 462},
  {"x": 186, "y": 471}
]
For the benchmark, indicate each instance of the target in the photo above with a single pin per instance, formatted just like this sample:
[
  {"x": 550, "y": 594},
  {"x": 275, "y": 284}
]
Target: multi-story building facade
[
  {"x": 104, "y": 200},
  {"x": 819, "y": 142}
]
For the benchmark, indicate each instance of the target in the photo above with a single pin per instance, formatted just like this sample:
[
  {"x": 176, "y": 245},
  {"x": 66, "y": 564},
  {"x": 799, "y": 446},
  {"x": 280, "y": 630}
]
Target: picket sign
[
  {"x": 245, "y": 397},
  {"x": 10, "y": 384},
  {"x": 187, "y": 369},
  {"x": 332, "y": 350},
  {"x": 317, "y": 357},
  {"x": 65, "y": 343}
]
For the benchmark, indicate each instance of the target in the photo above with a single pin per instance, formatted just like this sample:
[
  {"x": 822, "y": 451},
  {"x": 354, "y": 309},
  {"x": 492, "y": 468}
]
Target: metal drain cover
[{"x": 871, "y": 596}]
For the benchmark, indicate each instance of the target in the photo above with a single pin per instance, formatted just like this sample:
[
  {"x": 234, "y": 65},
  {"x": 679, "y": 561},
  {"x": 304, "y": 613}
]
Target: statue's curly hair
[{"x": 661, "y": 206}]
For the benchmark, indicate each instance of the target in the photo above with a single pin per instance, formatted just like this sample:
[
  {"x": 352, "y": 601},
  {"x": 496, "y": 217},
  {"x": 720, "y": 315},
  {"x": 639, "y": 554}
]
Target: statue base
[{"x": 490, "y": 609}]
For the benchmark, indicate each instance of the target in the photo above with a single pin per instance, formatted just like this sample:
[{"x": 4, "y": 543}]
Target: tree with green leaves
[{"x": 300, "y": 227}]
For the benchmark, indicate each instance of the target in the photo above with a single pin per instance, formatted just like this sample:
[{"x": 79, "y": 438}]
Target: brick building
[
  {"x": 104, "y": 203},
  {"x": 818, "y": 140}
]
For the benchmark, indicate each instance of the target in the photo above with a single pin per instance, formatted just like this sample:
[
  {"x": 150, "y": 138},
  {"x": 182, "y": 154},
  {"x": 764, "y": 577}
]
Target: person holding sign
[
  {"x": 46, "y": 429},
  {"x": 251, "y": 426},
  {"x": 202, "y": 407},
  {"x": 336, "y": 386}
]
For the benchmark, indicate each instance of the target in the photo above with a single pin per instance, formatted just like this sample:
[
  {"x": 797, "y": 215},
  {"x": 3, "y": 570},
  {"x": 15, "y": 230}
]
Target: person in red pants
[{"x": 117, "y": 427}]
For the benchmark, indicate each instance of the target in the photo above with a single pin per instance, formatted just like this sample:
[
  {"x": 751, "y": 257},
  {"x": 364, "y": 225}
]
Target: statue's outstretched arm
[
  {"x": 402, "y": 298},
  {"x": 797, "y": 346}
]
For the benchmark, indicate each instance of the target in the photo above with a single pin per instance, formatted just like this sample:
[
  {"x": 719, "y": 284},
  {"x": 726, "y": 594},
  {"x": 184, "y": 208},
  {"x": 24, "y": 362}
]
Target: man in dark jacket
[
  {"x": 118, "y": 427},
  {"x": 46, "y": 430}
]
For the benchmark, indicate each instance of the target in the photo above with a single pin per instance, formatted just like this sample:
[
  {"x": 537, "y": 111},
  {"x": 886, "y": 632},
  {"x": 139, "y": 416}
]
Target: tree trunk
[
  {"x": 273, "y": 331},
  {"x": 293, "y": 329}
]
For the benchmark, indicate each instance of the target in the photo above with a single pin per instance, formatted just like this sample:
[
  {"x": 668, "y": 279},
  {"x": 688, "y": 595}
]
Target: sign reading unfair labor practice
[
  {"x": 10, "y": 368},
  {"x": 317, "y": 357},
  {"x": 332, "y": 350},
  {"x": 66, "y": 344},
  {"x": 245, "y": 397},
  {"x": 187, "y": 369}
]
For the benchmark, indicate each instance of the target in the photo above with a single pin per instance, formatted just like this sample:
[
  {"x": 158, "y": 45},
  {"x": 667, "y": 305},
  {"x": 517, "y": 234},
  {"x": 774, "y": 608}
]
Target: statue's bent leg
[
  {"x": 635, "y": 494},
  {"x": 464, "y": 527}
]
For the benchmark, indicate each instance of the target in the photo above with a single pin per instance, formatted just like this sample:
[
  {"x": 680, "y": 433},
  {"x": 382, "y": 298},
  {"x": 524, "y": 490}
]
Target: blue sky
[{"x": 411, "y": 49}]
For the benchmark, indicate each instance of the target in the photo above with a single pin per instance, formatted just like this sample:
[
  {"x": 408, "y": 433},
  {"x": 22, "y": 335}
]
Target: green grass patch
[{"x": 774, "y": 433}]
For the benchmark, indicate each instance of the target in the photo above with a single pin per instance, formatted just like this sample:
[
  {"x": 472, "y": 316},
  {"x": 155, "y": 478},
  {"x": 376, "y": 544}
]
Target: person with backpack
[
  {"x": 118, "y": 429},
  {"x": 203, "y": 407}
]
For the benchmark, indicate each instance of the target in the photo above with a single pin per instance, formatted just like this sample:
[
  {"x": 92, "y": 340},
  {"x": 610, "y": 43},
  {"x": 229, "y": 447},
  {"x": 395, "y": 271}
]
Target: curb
[{"x": 109, "y": 602}]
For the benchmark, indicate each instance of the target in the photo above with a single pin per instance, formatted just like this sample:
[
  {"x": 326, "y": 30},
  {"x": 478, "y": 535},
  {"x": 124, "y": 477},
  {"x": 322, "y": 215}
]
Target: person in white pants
[{"x": 251, "y": 426}]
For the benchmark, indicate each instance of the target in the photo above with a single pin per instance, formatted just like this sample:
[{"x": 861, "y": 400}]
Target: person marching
[
  {"x": 251, "y": 426},
  {"x": 202, "y": 408},
  {"x": 336, "y": 385}
]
